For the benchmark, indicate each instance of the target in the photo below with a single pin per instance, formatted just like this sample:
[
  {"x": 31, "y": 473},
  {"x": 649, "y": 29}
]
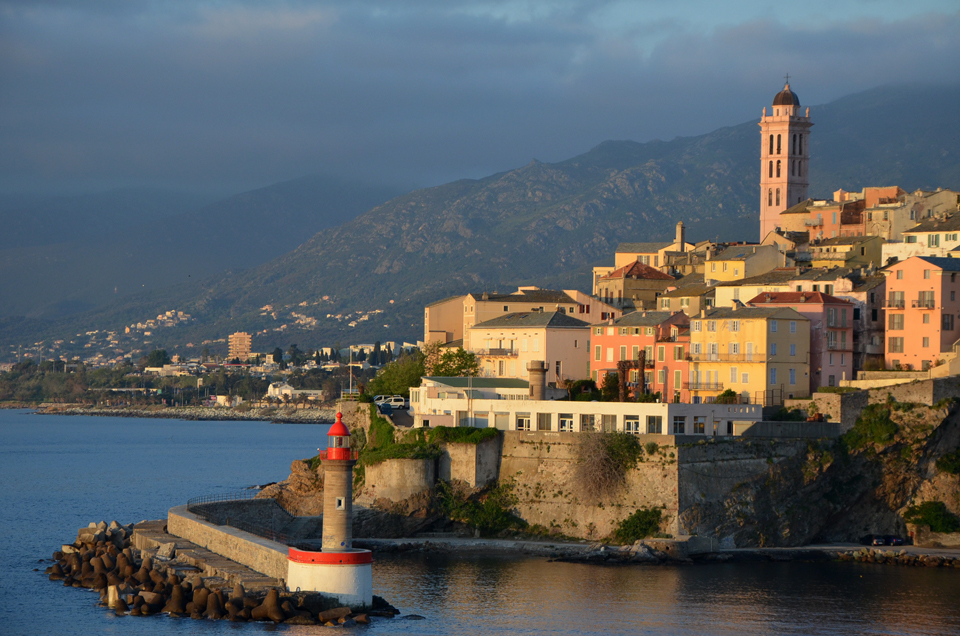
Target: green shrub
[
  {"x": 873, "y": 426},
  {"x": 837, "y": 389},
  {"x": 381, "y": 431},
  {"x": 789, "y": 415},
  {"x": 643, "y": 523},
  {"x": 648, "y": 398},
  {"x": 490, "y": 512},
  {"x": 603, "y": 460},
  {"x": 729, "y": 396},
  {"x": 651, "y": 448},
  {"x": 381, "y": 444},
  {"x": 460, "y": 434},
  {"x": 933, "y": 514},
  {"x": 950, "y": 463}
]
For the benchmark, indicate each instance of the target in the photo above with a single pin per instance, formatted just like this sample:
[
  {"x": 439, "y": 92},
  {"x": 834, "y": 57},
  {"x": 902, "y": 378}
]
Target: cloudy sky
[{"x": 223, "y": 96}]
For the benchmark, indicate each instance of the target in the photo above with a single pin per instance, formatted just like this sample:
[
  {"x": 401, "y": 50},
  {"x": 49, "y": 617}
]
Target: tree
[
  {"x": 156, "y": 358},
  {"x": 457, "y": 363},
  {"x": 278, "y": 355},
  {"x": 610, "y": 389},
  {"x": 397, "y": 377}
]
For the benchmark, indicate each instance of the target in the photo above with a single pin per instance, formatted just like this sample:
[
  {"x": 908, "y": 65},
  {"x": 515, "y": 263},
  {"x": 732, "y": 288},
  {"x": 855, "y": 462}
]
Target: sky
[{"x": 225, "y": 96}]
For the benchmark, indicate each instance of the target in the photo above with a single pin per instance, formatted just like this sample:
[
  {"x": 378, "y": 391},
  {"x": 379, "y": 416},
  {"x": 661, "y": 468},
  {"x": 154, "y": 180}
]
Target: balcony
[
  {"x": 839, "y": 346},
  {"x": 813, "y": 222},
  {"x": 703, "y": 386},
  {"x": 894, "y": 303},
  {"x": 923, "y": 304},
  {"x": 498, "y": 353},
  {"x": 726, "y": 357}
]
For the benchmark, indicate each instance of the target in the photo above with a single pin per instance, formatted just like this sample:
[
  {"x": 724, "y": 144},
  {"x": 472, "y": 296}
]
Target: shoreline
[{"x": 194, "y": 413}]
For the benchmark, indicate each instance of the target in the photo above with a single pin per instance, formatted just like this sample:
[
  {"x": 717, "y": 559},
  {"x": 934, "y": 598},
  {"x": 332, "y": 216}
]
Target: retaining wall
[
  {"x": 475, "y": 464},
  {"x": 398, "y": 479},
  {"x": 262, "y": 555}
]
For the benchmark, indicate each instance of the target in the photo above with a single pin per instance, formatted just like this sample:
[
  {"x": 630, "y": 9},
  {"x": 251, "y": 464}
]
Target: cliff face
[{"x": 828, "y": 492}]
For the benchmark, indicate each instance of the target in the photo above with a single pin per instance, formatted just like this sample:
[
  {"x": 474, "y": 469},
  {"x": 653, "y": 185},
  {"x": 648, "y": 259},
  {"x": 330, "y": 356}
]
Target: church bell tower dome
[{"x": 786, "y": 97}]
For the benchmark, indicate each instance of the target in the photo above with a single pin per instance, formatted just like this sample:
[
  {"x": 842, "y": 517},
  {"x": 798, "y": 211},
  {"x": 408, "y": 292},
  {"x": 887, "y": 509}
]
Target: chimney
[
  {"x": 485, "y": 296},
  {"x": 537, "y": 371},
  {"x": 681, "y": 235}
]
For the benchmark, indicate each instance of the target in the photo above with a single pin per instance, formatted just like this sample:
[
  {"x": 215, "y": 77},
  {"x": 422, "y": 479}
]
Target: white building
[{"x": 506, "y": 404}]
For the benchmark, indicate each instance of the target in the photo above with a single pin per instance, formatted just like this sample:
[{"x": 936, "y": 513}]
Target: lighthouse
[{"x": 338, "y": 569}]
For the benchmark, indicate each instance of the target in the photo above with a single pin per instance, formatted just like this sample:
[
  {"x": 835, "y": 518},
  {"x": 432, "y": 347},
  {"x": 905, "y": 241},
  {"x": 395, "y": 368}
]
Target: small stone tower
[{"x": 784, "y": 158}]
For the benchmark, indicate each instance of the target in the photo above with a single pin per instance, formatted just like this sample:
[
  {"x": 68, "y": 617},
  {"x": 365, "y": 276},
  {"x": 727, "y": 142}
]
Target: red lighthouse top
[{"x": 338, "y": 440}]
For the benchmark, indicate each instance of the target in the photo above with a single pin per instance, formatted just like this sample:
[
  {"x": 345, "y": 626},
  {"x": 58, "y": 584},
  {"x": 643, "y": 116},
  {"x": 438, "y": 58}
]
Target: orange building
[
  {"x": 663, "y": 337},
  {"x": 923, "y": 310}
]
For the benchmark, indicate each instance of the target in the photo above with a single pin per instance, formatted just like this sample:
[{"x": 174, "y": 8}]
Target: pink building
[
  {"x": 663, "y": 336},
  {"x": 922, "y": 310},
  {"x": 831, "y": 332}
]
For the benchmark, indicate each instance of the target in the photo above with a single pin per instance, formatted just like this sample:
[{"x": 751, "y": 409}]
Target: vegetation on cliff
[
  {"x": 950, "y": 463},
  {"x": 603, "y": 460},
  {"x": 490, "y": 511},
  {"x": 874, "y": 426},
  {"x": 933, "y": 514},
  {"x": 643, "y": 523}
]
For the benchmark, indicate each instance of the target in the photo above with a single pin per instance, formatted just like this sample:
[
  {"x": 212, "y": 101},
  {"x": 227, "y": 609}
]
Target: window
[
  {"x": 947, "y": 322},
  {"x": 635, "y": 352},
  {"x": 698, "y": 424},
  {"x": 734, "y": 348},
  {"x": 745, "y": 378},
  {"x": 778, "y": 167},
  {"x": 933, "y": 240},
  {"x": 771, "y": 145},
  {"x": 773, "y": 326},
  {"x": 597, "y": 353},
  {"x": 794, "y": 151},
  {"x": 648, "y": 354},
  {"x": 793, "y": 326},
  {"x": 664, "y": 303},
  {"x": 769, "y": 202},
  {"x": 341, "y": 503},
  {"x": 696, "y": 325},
  {"x": 631, "y": 424},
  {"x": 661, "y": 353},
  {"x": 899, "y": 274},
  {"x": 536, "y": 344},
  {"x": 711, "y": 325},
  {"x": 598, "y": 331},
  {"x": 609, "y": 354},
  {"x": 771, "y": 169},
  {"x": 773, "y": 375},
  {"x": 926, "y": 342},
  {"x": 778, "y": 144},
  {"x": 523, "y": 421},
  {"x": 926, "y": 319},
  {"x": 894, "y": 345},
  {"x": 523, "y": 344},
  {"x": 778, "y": 196},
  {"x": 587, "y": 422},
  {"x": 696, "y": 348},
  {"x": 734, "y": 325},
  {"x": 609, "y": 423},
  {"x": 793, "y": 349},
  {"x": 793, "y": 376},
  {"x": 679, "y": 425},
  {"x": 733, "y": 375},
  {"x": 506, "y": 308},
  {"x": 773, "y": 348},
  {"x": 678, "y": 353},
  {"x": 926, "y": 274},
  {"x": 895, "y": 322},
  {"x": 662, "y": 377},
  {"x": 654, "y": 425},
  {"x": 623, "y": 352},
  {"x": 566, "y": 422},
  {"x": 677, "y": 379}
]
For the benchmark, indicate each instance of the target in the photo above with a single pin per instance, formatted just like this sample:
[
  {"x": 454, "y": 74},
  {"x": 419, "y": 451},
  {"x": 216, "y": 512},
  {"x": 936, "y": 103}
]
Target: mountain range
[{"x": 544, "y": 224}]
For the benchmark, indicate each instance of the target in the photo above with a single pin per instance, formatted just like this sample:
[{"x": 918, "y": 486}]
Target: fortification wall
[
  {"x": 399, "y": 479},
  {"x": 474, "y": 464}
]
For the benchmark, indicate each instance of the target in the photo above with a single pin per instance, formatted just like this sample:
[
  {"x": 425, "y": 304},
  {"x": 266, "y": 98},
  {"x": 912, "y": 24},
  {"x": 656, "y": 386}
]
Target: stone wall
[
  {"x": 398, "y": 479},
  {"x": 800, "y": 430},
  {"x": 542, "y": 467},
  {"x": 844, "y": 408},
  {"x": 926, "y": 538},
  {"x": 927, "y": 392},
  {"x": 262, "y": 555},
  {"x": 474, "y": 464}
]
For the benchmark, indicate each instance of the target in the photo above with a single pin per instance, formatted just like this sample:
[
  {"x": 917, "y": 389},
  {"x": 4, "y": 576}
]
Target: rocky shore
[
  {"x": 271, "y": 414},
  {"x": 142, "y": 583}
]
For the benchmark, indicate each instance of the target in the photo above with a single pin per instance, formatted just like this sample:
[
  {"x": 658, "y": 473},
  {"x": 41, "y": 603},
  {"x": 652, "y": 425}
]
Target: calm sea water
[{"x": 59, "y": 473}]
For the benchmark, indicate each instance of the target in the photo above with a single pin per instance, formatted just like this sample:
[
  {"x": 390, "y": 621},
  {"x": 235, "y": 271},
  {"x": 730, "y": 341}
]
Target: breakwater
[
  {"x": 208, "y": 413},
  {"x": 139, "y": 582}
]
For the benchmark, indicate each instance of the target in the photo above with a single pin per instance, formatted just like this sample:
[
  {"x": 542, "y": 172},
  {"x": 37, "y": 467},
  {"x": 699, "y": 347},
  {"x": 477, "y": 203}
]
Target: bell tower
[{"x": 784, "y": 157}]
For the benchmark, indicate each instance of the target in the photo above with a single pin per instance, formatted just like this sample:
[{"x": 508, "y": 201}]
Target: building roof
[
  {"x": 947, "y": 264},
  {"x": 796, "y": 298},
  {"x": 527, "y": 296},
  {"x": 444, "y": 300},
  {"x": 773, "y": 277},
  {"x": 747, "y": 313},
  {"x": 870, "y": 282},
  {"x": 786, "y": 97},
  {"x": 737, "y": 253},
  {"x": 480, "y": 383},
  {"x": 643, "y": 248},
  {"x": 641, "y": 319},
  {"x": 688, "y": 291},
  {"x": 532, "y": 319},
  {"x": 638, "y": 270},
  {"x": 846, "y": 240},
  {"x": 949, "y": 224},
  {"x": 799, "y": 208}
]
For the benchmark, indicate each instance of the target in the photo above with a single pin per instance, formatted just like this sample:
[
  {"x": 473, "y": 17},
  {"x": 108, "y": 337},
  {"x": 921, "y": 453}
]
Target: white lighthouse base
[{"x": 349, "y": 579}]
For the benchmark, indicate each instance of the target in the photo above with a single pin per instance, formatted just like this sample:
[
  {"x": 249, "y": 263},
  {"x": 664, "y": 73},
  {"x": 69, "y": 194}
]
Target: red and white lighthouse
[{"x": 338, "y": 569}]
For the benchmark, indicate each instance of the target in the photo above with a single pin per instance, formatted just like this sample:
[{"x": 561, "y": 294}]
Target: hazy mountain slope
[
  {"x": 549, "y": 223},
  {"x": 160, "y": 250}
]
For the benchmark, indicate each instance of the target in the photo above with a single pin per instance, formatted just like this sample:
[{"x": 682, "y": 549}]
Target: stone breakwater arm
[{"x": 198, "y": 413}]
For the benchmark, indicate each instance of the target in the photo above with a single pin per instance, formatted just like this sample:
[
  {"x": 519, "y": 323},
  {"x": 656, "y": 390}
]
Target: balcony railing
[
  {"x": 839, "y": 346},
  {"x": 894, "y": 303},
  {"x": 923, "y": 304},
  {"x": 498, "y": 352},
  {"x": 813, "y": 222},
  {"x": 726, "y": 357},
  {"x": 703, "y": 386}
]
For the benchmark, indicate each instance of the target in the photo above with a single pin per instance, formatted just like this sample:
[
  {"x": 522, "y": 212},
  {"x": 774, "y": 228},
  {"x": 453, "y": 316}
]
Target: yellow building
[
  {"x": 847, "y": 251},
  {"x": 743, "y": 261},
  {"x": 504, "y": 345},
  {"x": 760, "y": 353},
  {"x": 240, "y": 344}
]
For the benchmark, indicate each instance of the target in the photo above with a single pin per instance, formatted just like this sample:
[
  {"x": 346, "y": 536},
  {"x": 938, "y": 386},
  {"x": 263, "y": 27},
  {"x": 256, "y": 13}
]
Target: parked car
[
  {"x": 384, "y": 408},
  {"x": 892, "y": 539},
  {"x": 395, "y": 401}
]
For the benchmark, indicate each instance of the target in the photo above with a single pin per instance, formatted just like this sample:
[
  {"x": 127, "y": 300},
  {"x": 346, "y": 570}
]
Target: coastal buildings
[
  {"x": 760, "y": 354},
  {"x": 632, "y": 287},
  {"x": 923, "y": 311}
]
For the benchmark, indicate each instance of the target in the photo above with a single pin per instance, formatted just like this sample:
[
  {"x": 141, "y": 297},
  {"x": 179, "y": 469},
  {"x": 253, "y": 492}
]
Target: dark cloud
[{"x": 234, "y": 95}]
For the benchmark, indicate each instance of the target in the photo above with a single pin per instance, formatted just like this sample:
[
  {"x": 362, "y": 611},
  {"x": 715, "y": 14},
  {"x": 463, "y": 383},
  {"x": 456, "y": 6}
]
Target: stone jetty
[{"x": 179, "y": 578}]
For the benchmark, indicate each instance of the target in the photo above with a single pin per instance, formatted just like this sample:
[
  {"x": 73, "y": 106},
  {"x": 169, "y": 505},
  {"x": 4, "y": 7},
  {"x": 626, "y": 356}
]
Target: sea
[{"x": 58, "y": 473}]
